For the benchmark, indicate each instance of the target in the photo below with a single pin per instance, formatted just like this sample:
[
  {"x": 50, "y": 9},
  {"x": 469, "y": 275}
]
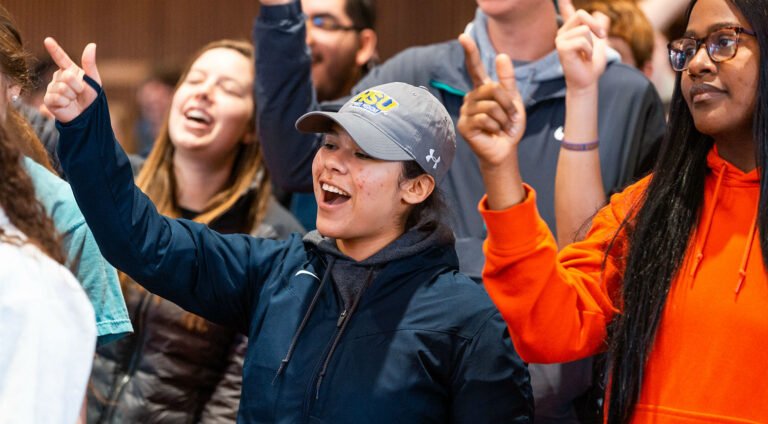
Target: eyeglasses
[
  {"x": 721, "y": 44},
  {"x": 329, "y": 23}
]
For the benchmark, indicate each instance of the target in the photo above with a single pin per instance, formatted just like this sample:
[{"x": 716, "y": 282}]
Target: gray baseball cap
[{"x": 395, "y": 121}]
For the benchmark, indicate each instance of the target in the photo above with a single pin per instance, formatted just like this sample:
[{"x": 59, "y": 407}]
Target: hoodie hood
[
  {"x": 349, "y": 276},
  {"x": 529, "y": 75}
]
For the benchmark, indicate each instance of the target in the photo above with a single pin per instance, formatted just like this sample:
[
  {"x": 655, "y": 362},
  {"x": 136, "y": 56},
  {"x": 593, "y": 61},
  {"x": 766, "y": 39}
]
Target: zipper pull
[{"x": 341, "y": 319}]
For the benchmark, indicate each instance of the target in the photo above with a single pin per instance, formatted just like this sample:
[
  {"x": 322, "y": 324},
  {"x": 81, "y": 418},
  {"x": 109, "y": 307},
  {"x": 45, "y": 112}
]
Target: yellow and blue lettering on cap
[{"x": 374, "y": 101}]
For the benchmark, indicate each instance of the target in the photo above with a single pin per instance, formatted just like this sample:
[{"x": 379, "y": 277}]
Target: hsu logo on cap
[{"x": 374, "y": 101}]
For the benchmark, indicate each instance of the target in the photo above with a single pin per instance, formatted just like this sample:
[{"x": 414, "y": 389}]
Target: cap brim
[{"x": 371, "y": 140}]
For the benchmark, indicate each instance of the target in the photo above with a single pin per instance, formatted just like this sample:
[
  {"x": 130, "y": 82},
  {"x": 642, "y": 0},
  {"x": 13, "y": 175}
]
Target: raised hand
[
  {"x": 492, "y": 117},
  {"x": 68, "y": 95},
  {"x": 581, "y": 45}
]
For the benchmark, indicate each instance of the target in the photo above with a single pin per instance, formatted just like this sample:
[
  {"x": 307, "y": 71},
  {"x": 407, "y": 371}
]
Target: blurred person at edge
[
  {"x": 47, "y": 325},
  {"x": 84, "y": 259},
  {"x": 342, "y": 42},
  {"x": 205, "y": 166},
  {"x": 631, "y": 123}
]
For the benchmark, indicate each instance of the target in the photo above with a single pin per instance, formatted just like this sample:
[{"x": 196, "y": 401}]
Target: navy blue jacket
[{"x": 425, "y": 345}]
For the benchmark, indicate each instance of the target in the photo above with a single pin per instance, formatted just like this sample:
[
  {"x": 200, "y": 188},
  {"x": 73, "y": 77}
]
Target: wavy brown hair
[
  {"x": 157, "y": 178},
  {"x": 14, "y": 65},
  {"x": 17, "y": 198},
  {"x": 17, "y": 192}
]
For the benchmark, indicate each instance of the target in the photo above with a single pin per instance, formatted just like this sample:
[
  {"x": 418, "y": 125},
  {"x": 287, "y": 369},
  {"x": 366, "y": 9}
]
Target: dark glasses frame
[
  {"x": 329, "y": 23},
  {"x": 709, "y": 43}
]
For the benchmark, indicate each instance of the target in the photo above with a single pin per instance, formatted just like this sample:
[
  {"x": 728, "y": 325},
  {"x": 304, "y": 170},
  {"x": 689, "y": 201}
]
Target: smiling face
[
  {"x": 362, "y": 202},
  {"x": 212, "y": 108},
  {"x": 721, "y": 96}
]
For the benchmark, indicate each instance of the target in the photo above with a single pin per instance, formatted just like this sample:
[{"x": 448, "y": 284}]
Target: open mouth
[
  {"x": 199, "y": 116},
  {"x": 333, "y": 195}
]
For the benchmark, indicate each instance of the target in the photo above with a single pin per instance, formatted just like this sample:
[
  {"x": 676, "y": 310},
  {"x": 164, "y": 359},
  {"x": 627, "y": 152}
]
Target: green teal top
[{"x": 98, "y": 278}]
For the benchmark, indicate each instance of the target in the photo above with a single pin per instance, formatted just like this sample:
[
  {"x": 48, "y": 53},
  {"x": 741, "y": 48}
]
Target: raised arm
[
  {"x": 557, "y": 309},
  {"x": 493, "y": 121},
  {"x": 579, "y": 192},
  {"x": 283, "y": 90},
  {"x": 206, "y": 273}
]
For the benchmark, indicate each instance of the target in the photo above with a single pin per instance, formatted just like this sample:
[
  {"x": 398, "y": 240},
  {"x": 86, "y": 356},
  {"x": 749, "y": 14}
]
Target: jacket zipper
[
  {"x": 310, "y": 392},
  {"x": 133, "y": 362}
]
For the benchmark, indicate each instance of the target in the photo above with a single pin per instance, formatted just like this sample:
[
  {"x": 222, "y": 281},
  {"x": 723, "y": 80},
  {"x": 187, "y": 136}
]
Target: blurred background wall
[{"x": 133, "y": 36}]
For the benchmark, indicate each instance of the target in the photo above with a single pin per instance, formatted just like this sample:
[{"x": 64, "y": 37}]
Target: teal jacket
[{"x": 98, "y": 278}]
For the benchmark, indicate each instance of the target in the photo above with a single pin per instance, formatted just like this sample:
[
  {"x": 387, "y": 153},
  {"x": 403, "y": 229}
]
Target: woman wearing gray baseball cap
[{"x": 366, "y": 320}]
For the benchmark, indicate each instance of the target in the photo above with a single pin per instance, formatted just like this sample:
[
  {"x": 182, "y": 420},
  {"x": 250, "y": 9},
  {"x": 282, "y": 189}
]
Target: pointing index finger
[
  {"x": 472, "y": 61},
  {"x": 58, "y": 54},
  {"x": 566, "y": 9},
  {"x": 506, "y": 72}
]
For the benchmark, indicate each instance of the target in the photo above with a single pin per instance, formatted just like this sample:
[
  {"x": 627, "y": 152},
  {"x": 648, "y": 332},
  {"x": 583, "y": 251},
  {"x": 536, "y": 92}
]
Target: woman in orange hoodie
[{"x": 671, "y": 278}]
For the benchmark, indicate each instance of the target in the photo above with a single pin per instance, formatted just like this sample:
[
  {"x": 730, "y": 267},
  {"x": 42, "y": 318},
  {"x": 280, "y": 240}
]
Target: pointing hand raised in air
[
  {"x": 493, "y": 121},
  {"x": 581, "y": 44},
  {"x": 492, "y": 117},
  {"x": 68, "y": 95}
]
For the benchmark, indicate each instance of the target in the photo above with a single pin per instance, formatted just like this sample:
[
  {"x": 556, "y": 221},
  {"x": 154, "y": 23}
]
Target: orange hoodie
[{"x": 709, "y": 362}]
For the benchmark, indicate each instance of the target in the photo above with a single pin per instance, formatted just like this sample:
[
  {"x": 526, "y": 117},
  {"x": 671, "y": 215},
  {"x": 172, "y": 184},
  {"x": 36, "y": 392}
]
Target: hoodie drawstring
[
  {"x": 343, "y": 324},
  {"x": 745, "y": 255},
  {"x": 304, "y": 321},
  {"x": 707, "y": 224}
]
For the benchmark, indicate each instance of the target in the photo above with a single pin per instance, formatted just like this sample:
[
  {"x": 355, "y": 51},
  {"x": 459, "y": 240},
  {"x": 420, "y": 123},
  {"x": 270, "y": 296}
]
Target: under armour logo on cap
[{"x": 431, "y": 157}]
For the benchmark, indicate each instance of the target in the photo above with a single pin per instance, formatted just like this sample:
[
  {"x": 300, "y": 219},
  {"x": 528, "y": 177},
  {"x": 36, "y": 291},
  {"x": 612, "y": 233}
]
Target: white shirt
[{"x": 47, "y": 335}]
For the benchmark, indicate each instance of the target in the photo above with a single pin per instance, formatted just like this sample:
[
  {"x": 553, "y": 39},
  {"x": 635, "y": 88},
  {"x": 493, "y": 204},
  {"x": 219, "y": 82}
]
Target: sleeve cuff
[
  {"x": 81, "y": 120},
  {"x": 515, "y": 228}
]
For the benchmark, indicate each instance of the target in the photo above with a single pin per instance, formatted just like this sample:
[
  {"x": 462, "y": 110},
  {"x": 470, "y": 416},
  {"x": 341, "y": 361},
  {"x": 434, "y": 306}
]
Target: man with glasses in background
[
  {"x": 342, "y": 42},
  {"x": 631, "y": 122}
]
